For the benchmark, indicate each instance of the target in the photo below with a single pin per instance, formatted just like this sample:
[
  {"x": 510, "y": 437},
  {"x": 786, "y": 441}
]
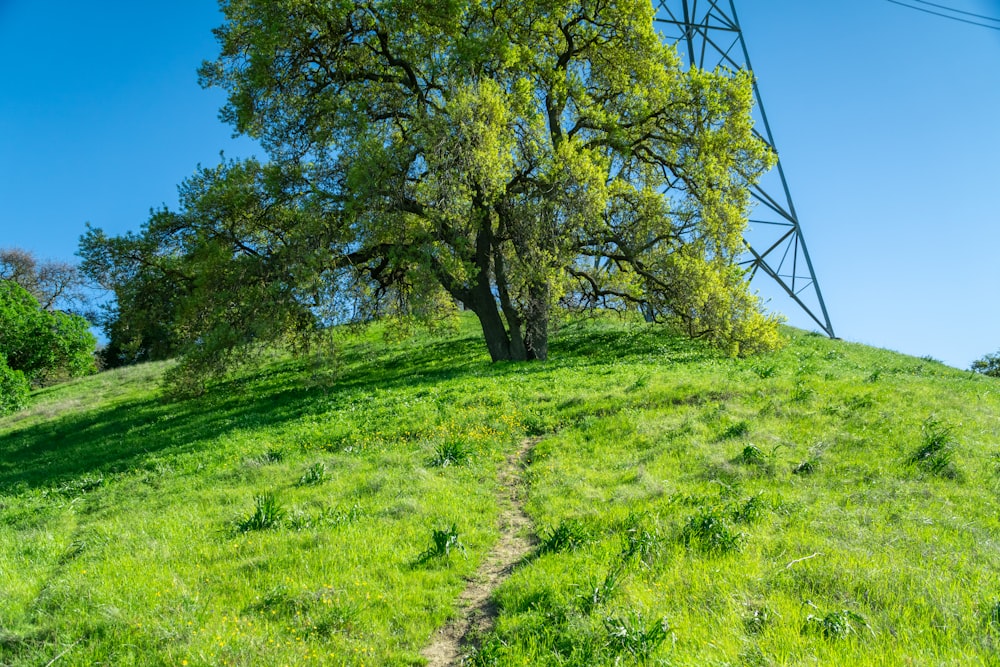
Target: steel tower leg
[{"x": 708, "y": 33}]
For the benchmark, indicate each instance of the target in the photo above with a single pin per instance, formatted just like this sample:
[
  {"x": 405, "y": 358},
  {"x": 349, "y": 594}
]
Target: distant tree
[
  {"x": 46, "y": 346},
  {"x": 988, "y": 365},
  {"x": 229, "y": 269},
  {"x": 146, "y": 285},
  {"x": 56, "y": 285}
]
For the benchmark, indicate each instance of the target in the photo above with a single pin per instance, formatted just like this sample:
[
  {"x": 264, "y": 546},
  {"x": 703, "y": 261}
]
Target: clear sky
[{"x": 887, "y": 121}]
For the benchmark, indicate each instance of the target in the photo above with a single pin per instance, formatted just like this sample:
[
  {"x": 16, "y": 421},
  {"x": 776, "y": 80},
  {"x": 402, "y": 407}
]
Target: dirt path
[{"x": 476, "y": 612}]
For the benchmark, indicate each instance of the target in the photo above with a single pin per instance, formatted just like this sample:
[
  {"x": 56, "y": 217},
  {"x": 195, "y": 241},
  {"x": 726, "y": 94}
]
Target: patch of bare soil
[{"x": 477, "y": 612}]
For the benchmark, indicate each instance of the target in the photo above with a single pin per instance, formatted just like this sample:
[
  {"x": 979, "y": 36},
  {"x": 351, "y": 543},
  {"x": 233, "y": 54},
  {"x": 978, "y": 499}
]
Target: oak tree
[
  {"x": 510, "y": 157},
  {"x": 515, "y": 154}
]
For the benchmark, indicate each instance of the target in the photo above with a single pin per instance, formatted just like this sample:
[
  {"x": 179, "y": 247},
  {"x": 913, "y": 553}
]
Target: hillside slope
[{"x": 827, "y": 504}]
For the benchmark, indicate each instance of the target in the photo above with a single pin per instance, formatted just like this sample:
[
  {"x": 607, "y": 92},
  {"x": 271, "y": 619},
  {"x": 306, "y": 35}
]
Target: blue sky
[{"x": 886, "y": 120}]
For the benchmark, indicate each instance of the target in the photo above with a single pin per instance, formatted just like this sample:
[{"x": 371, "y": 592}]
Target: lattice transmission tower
[{"x": 707, "y": 33}]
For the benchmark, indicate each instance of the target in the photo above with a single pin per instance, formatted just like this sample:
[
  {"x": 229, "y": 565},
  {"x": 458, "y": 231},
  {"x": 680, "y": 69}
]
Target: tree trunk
[
  {"x": 536, "y": 322},
  {"x": 482, "y": 303},
  {"x": 517, "y": 346},
  {"x": 534, "y": 346}
]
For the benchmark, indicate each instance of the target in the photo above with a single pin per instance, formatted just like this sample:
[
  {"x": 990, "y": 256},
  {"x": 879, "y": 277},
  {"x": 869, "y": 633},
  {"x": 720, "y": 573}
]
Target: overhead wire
[
  {"x": 956, "y": 11},
  {"x": 949, "y": 16}
]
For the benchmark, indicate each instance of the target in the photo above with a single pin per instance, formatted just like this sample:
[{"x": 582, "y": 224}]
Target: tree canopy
[
  {"x": 233, "y": 266},
  {"x": 510, "y": 157},
  {"x": 989, "y": 365},
  {"x": 57, "y": 285},
  {"x": 38, "y": 346}
]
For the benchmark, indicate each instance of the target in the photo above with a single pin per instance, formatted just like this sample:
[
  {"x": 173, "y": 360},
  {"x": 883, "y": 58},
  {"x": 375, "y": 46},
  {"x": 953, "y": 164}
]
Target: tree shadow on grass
[
  {"x": 627, "y": 342},
  {"x": 122, "y": 437}
]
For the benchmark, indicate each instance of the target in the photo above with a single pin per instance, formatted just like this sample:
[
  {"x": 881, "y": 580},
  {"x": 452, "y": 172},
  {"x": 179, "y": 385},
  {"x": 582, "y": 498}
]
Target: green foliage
[
  {"x": 14, "y": 388},
  {"x": 211, "y": 281},
  {"x": 326, "y": 517},
  {"x": 314, "y": 474},
  {"x": 737, "y": 430},
  {"x": 443, "y": 541},
  {"x": 267, "y": 514},
  {"x": 640, "y": 541},
  {"x": 752, "y": 455},
  {"x": 989, "y": 365},
  {"x": 509, "y": 157},
  {"x": 142, "y": 272},
  {"x": 450, "y": 452},
  {"x": 757, "y": 619},
  {"x": 630, "y": 635},
  {"x": 46, "y": 346},
  {"x": 570, "y": 534},
  {"x": 991, "y": 616},
  {"x": 709, "y": 531},
  {"x": 804, "y": 468},
  {"x": 936, "y": 453},
  {"x": 751, "y": 510},
  {"x": 599, "y": 592},
  {"x": 836, "y": 624}
]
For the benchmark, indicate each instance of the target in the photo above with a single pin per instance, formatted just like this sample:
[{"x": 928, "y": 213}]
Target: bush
[
  {"x": 988, "y": 365},
  {"x": 45, "y": 346},
  {"x": 13, "y": 388}
]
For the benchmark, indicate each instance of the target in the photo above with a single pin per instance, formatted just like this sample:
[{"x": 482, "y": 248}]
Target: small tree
[
  {"x": 56, "y": 285},
  {"x": 44, "y": 346},
  {"x": 988, "y": 365},
  {"x": 142, "y": 274}
]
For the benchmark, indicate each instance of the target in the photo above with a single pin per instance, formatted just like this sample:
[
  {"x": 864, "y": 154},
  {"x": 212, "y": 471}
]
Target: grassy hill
[{"x": 828, "y": 504}]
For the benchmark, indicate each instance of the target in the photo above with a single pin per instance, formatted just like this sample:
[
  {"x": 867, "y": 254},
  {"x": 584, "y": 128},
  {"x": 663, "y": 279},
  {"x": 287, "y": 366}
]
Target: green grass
[{"x": 827, "y": 504}]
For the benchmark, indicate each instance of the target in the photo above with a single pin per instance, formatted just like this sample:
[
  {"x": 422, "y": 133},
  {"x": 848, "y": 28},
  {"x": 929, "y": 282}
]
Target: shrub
[
  {"x": 988, "y": 365},
  {"x": 45, "y": 346},
  {"x": 14, "y": 388}
]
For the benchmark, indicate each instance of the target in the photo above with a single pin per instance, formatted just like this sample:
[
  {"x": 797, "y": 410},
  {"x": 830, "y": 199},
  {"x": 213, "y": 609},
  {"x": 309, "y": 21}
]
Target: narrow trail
[{"x": 476, "y": 611}]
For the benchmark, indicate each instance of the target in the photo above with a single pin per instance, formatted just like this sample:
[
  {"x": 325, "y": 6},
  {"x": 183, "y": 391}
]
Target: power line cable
[
  {"x": 947, "y": 16},
  {"x": 957, "y": 11}
]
